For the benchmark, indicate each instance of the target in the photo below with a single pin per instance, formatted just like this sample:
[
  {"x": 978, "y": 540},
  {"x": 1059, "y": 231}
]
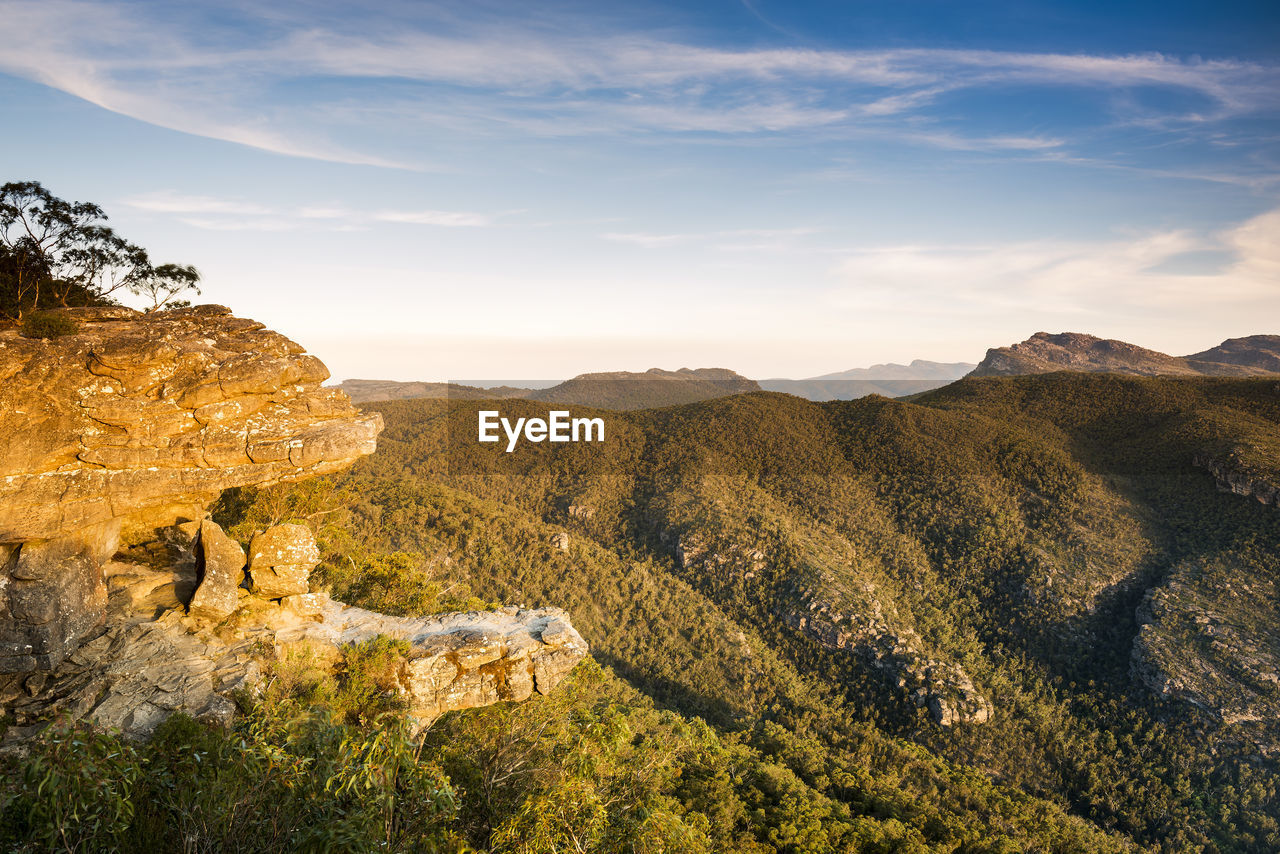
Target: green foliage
[
  {"x": 1013, "y": 524},
  {"x": 47, "y": 324},
  {"x": 75, "y": 792}
]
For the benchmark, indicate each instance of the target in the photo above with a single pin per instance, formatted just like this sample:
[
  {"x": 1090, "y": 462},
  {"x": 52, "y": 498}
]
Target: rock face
[
  {"x": 131, "y": 423},
  {"x": 1235, "y": 472},
  {"x": 460, "y": 660},
  {"x": 1207, "y": 639},
  {"x": 860, "y": 628},
  {"x": 125, "y": 601},
  {"x": 1074, "y": 351}
]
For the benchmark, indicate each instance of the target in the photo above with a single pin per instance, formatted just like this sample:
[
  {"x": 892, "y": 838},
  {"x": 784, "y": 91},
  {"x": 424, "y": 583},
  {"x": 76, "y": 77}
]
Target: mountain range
[
  {"x": 1058, "y": 587},
  {"x": 1015, "y": 613},
  {"x": 888, "y": 380},
  {"x": 1043, "y": 352},
  {"x": 608, "y": 390}
]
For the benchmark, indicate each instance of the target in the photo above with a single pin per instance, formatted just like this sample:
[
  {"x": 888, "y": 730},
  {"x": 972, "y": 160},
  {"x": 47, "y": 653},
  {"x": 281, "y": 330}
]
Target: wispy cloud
[
  {"x": 729, "y": 240},
  {"x": 494, "y": 79},
  {"x": 450, "y": 219},
  {"x": 645, "y": 239},
  {"x": 217, "y": 214},
  {"x": 1069, "y": 278},
  {"x": 171, "y": 202}
]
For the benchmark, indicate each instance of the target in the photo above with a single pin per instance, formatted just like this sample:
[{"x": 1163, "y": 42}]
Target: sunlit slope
[{"x": 973, "y": 570}]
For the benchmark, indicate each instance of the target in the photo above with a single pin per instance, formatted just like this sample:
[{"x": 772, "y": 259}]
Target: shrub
[
  {"x": 47, "y": 324},
  {"x": 73, "y": 793}
]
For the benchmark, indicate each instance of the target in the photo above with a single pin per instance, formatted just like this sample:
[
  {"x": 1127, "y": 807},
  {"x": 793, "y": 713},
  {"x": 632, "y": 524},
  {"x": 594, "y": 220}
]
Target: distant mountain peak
[
  {"x": 1044, "y": 352},
  {"x": 654, "y": 387}
]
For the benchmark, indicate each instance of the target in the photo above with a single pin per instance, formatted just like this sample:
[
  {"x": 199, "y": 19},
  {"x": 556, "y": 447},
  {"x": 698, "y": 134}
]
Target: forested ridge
[{"x": 1013, "y": 614}]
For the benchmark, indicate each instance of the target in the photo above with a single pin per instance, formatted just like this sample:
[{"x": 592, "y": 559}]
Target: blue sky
[{"x": 430, "y": 190}]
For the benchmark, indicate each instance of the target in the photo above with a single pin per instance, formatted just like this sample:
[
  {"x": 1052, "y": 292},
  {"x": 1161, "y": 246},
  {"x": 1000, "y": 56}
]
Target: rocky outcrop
[
  {"x": 137, "y": 670},
  {"x": 133, "y": 422},
  {"x": 1074, "y": 351},
  {"x": 897, "y": 651},
  {"x": 121, "y": 603},
  {"x": 1233, "y": 472},
  {"x": 943, "y": 687},
  {"x": 459, "y": 660},
  {"x": 1207, "y": 640}
]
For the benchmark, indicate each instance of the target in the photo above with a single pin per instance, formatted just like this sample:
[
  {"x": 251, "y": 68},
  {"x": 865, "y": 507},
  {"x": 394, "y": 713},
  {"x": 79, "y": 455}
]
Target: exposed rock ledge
[
  {"x": 1234, "y": 474},
  {"x": 139, "y": 670},
  {"x": 1207, "y": 639},
  {"x": 941, "y": 686},
  {"x": 129, "y": 424}
]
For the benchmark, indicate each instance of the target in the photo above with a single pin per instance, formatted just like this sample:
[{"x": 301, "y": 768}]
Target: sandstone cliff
[
  {"x": 129, "y": 424},
  {"x": 116, "y": 439}
]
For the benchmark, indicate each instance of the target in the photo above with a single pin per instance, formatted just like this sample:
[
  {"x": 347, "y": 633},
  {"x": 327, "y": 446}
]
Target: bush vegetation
[
  {"x": 55, "y": 253},
  {"x": 47, "y": 324}
]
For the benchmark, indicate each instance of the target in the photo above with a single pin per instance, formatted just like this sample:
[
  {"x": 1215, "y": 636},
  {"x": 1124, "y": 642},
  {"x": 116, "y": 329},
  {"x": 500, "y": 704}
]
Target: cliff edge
[
  {"x": 116, "y": 439},
  {"x": 129, "y": 424}
]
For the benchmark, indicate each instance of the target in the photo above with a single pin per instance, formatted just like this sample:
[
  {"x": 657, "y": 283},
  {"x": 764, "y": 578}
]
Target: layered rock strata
[
  {"x": 133, "y": 422},
  {"x": 120, "y": 602}
]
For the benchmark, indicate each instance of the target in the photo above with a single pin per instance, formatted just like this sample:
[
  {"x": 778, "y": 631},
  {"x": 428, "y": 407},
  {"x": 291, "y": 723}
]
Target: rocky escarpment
[
  {"x": 1235, "y": 471},
  {"x": 1207, "y": 635},
  {"x": 898, "y": 651},
  {"x": 128, "y": 424},
  {"x": 121, "y": 602},
  {"x": 139, "y": 668},
  {"x": 1207, "y": 640}
]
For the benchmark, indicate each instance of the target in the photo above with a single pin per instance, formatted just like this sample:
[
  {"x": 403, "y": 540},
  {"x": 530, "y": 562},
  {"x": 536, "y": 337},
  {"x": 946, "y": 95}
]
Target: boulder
[
  {"x": 280, "y": 561},
  {"x": 220, "y": 568}
]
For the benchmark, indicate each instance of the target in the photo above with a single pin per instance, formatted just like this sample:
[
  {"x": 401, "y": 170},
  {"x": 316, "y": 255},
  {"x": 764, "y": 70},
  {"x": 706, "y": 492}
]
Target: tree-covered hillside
[
  {"x": 1016, "y": 614},
  {"x": 990, "y": 550}
]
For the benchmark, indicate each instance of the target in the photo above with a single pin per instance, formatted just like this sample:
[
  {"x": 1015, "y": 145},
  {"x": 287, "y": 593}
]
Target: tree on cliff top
[{"x": 57, "y": 253}]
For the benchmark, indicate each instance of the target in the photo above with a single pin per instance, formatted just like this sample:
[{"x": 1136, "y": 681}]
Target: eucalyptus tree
[{"x": 59, "y": 253}]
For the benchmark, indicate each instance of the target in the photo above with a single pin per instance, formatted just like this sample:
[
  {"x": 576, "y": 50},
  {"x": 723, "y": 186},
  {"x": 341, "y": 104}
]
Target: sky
[{"x": 422, "y": 190}]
